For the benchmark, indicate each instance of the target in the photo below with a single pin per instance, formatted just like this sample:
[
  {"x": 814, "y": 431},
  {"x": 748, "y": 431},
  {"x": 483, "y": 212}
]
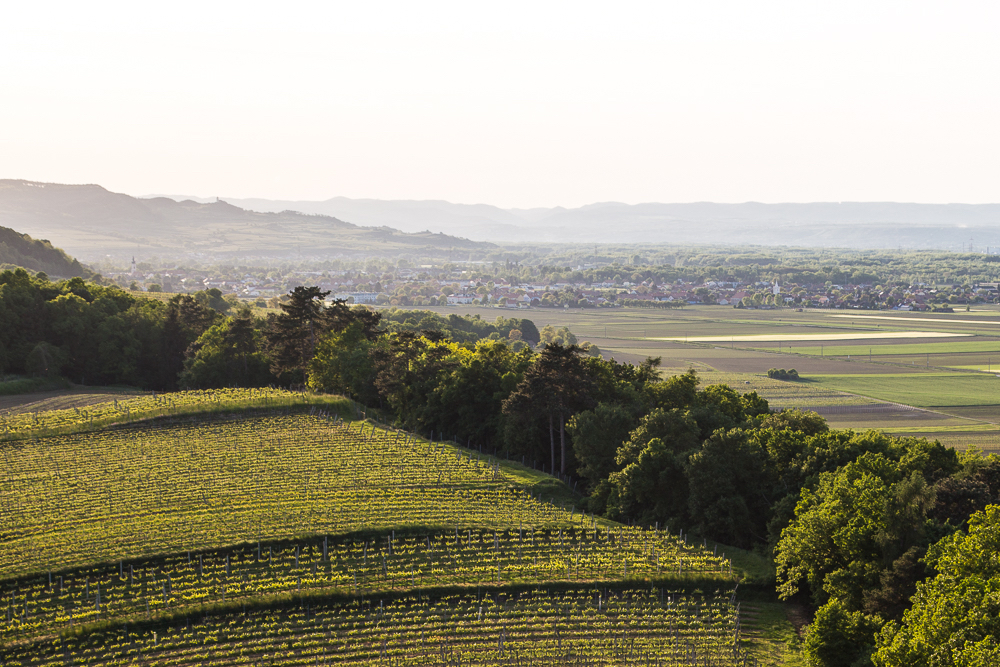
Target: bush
[
  {"x": 782, "y": 374},
  {"x": 840, "y": 638}
]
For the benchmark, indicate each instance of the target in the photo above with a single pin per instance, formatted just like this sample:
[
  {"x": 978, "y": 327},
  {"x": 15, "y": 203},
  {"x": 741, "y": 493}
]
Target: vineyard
[
  {"x": 53, "y": 422},
  {"x": 586, "y": 627},
  {"x": 252, "y": 529}
]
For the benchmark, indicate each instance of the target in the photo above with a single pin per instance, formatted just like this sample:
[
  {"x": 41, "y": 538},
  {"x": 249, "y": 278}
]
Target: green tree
[
  {"x": 213, "y": 298},
  {"x": 556, "y": 386},
  {"x": 839, "y": 637},
  {"x": 292, "y": 335},
  {"x": 731, "y": 487},
  {"x": 955, "y": 617},
  {"x": 597, "y": 434},
  {"x": 228, "y": 354},
  {"x": 651, "y": 483},
  {"x": 343, "y": 364}
]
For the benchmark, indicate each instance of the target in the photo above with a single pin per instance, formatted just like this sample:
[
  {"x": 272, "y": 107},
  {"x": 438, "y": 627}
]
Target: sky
[{"x": 517, "y": 104}]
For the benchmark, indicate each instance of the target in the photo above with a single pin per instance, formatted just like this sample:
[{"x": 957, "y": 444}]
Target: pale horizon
[{"x": 523, "y": 106}]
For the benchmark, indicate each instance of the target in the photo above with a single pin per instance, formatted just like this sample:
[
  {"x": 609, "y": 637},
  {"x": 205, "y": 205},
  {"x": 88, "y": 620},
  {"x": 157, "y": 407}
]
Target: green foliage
[
  {"x": 20, "y": 250},
  {"x": 45, "y": 360},
  {"x": 212, "y": 298},
  {"x": 955, "y": 617},
  {"x": 23, "y": 385},
  {"x": 729, "y": 479},
  {"x": 226, "y": 355},
  {"x": 554, "y": 387},
  {"x": 597, "y": 434},
  {"x": 858, "y": 538},
  {"x": 838, "y": 637},
  {"x": 343, "y": 364},
  {"x": 562, "y": 336},
  {"x": 782, "y": 374},
  {"x": 91, "y": 333},
  {"x": 459, "y": 328}
]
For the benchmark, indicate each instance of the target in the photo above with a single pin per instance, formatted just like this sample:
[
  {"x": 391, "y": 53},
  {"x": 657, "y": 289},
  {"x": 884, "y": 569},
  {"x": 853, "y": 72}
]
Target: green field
[
  {"x": 918, "y": 389},
  {"x": 813, "y": 337},
  {"x": 883, "y": 349},
  {"x": 250, "y": 527}
]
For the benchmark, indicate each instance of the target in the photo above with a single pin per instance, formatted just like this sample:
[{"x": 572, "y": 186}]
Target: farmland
[
  {"x": 858, "y": 370},
  {"x": 240, "y": 527}
]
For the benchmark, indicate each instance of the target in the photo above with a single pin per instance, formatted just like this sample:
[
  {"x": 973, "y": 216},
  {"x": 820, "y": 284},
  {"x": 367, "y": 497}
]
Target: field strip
[
  {"x": 817, "y": 337},
  {"x": 892, "y": 349},
  {"x": 968, "y": 428},
  {"x": 916, "y": 319}
]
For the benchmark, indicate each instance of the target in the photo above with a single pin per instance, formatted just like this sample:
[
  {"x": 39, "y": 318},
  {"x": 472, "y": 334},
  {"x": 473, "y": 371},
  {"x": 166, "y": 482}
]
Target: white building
[{"x": 358, "y": 297}]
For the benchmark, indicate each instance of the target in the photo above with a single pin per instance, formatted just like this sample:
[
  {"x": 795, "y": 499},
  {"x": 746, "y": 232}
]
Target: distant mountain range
[
  {"x": 850, "y": 224},
  {"x": 90, "y": 222}
]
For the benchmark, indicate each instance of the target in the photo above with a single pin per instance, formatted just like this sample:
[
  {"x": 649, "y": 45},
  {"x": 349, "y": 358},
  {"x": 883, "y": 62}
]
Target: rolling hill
[
  {"x": 816, "y": 224},
  {"x": 90, "y": 222},
  {"x": 20, "y": 250}
]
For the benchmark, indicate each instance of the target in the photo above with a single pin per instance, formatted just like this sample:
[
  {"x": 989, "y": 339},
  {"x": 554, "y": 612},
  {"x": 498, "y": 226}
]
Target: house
[{"x": 358, "y": 297}]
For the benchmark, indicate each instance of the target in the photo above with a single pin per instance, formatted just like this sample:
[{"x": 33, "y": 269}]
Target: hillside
[
  {"x": 818, "y": 224},
  {"x": 35, "y": 255},
  {"x": 91, "y": 222},
  {"x": 266, "y": 527}
]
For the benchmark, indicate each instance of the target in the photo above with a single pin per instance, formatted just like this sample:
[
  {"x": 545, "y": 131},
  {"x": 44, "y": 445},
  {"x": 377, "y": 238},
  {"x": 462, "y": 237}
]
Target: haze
[{"x": 512, "y": 104}]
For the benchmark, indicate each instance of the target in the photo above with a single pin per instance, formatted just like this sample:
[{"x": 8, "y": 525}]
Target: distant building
[{"x": 358, "y": 297}]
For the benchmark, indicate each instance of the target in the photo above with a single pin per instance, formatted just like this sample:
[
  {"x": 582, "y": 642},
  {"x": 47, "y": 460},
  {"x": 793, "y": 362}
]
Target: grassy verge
[{"x": 23, "y": 385}]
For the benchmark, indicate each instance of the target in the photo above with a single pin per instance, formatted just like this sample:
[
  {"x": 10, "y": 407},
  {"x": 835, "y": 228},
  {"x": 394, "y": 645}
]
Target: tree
[
  {"x": 184, "y": 322},
  {"x": 597, "y": 434},
  {"x": 651, "y": 481},
  {"x": 839, "y": 637},
  {"x": 955, "y": 617},
  {"x": 45, "y": 360},
  {"x": 292, "y": 335},
  {"x": 343, "y": 364},
  {"x": 731, "y": 488},
  {"x": 556, "y": 386},
  {"x": 227, "y": 354},
  {"x": 213, "y": 298}
]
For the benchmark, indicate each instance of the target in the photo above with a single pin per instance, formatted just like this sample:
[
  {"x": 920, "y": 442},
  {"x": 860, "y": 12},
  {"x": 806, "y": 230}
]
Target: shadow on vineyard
[{"x": 269, "y": 527}]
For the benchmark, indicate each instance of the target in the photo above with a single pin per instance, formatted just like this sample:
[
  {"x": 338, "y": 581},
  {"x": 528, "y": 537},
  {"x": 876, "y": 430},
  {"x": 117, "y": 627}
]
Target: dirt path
[{"x": 799, "y": 616}]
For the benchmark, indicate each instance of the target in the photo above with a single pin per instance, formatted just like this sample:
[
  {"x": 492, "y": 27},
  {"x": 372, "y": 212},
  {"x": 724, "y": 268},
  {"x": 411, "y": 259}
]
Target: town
[{"x": 504, "y": 286}]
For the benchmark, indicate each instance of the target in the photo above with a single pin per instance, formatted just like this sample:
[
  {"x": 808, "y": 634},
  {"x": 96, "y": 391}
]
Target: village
[{"x": 457, "y": 285}]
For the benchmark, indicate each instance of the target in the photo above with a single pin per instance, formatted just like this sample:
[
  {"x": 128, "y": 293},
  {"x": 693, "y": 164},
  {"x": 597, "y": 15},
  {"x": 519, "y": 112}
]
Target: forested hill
[
  {"x": 36, "y": 255},
  {"x": 91, "y": 222}
]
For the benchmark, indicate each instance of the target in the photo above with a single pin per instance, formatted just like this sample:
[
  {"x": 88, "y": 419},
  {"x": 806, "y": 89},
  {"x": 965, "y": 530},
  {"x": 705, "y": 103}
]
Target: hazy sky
[{"x": 509, "y": 103}]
